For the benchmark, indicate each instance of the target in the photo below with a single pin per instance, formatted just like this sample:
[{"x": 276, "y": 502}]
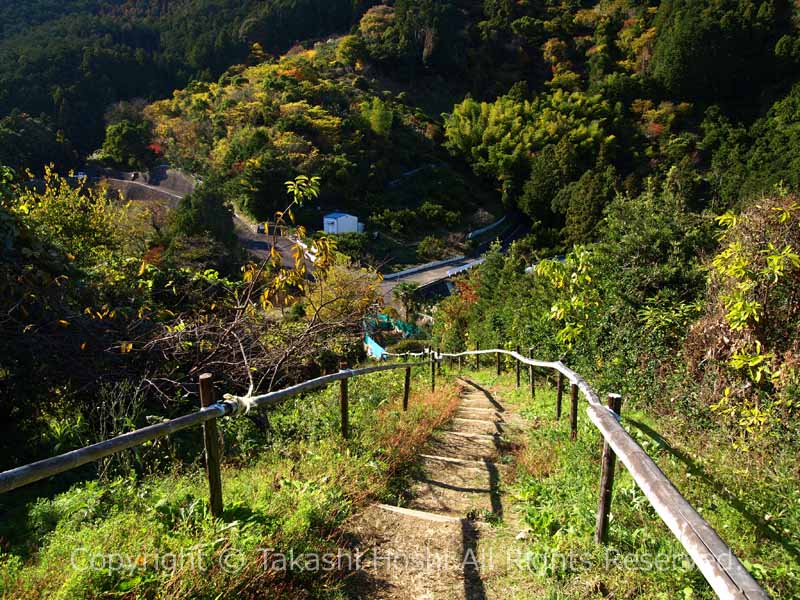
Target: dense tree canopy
[
  {"x": 127, "y": 144},
  {"x": 718, "y": 51},
  {"x": 646, "y": 153},
  {"x": 308, "y": 113},
  {"x": 70, "y": 60}
]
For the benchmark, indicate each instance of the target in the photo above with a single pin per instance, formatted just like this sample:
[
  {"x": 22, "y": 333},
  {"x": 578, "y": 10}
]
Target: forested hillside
[
  {"x": 423, "y": 118},
  {"x": 312, "y": 112},
  {"x": 567, "y": 104},
  {"x": 69, "y": 61},
  {"x": 565, "y": 108},
  {"x": 700, "y": 92},
  {"x": 646, "y": 153}
]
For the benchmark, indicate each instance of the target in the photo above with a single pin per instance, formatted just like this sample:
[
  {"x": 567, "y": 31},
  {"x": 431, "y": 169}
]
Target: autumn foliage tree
[
  {"x": 89, "y": 299},
  {"x": 745, "y": 347}
]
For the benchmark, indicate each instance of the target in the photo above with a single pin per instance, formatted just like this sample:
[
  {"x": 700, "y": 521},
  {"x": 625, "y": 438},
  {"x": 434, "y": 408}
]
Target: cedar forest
[{"x": 652, "y": 147}]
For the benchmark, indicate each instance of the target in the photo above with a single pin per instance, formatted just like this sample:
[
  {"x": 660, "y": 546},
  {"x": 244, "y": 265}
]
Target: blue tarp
[{"x": 374, "y": 349}]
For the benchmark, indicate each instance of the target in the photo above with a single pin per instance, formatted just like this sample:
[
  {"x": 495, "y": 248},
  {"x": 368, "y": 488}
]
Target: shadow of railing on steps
[
  {"x": 713, "y": 557},
  {"x": 474, "y": 588},
  {"x": 716, "y": 561}
]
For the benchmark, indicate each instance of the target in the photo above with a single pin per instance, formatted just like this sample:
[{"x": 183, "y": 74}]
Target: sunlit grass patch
[
  {"x": 157, "y": 539},
  {"x": 754, "y": 506}
]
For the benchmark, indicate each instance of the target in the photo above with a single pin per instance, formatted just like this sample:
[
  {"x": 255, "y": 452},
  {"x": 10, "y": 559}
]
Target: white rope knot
[{"x": 240, "y": 404}]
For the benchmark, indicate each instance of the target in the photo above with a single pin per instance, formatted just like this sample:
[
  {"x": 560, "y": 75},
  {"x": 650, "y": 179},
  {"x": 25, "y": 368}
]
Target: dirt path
[{"x": 443, "y": 542}]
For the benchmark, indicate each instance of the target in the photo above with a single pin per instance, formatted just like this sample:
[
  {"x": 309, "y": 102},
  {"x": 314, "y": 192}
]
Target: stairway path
[{"x": 434, "y": 546}]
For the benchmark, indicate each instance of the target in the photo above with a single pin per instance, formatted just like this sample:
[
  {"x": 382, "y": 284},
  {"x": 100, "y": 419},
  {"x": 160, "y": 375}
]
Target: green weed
[{"x": 755, "y": 508}]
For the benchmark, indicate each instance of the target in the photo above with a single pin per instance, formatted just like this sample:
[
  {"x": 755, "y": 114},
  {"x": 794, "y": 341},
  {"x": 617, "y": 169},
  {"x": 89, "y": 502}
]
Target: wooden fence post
[
  {"x": 439, "y": 363},
  {"x": 519, "y": 368},
  {"x": 606, "y": 479},
  {"x": 211, "y": 440},
  {"x": 497, "y": 356},
  {"x": 343, "y": 404},
  {"x": 531, "y": 375},
  {"x": 407, "y": 389},
  {"x": 433, "y": 373},
  {"x": 477, "y": 356},
  {"x": 573, "y": 411},
  {"x": 559, "y": 394}
]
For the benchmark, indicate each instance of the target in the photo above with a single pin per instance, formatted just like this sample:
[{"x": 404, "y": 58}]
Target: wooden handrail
[
  {"x": 722, "y": 569},
  {"x": 271, "y": 398},
  {"x": 33, "y": 472},
  {"x": 26, "y": 474}
]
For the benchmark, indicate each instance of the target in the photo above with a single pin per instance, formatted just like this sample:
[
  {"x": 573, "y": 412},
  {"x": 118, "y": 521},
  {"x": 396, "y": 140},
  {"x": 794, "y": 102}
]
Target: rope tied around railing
[
  {"x": 240, "y": 405},
  {"x": 726, "y": 574}
]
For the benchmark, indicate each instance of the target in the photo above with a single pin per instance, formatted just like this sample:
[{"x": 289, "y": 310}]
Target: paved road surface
[
  {"x": 257, "y": 244},
  {"x": 123, "y": 185},
  {"x": 176, "y": 186},
  {"x": 436, "y": 274},
  {"x": 422, "y": 278}
]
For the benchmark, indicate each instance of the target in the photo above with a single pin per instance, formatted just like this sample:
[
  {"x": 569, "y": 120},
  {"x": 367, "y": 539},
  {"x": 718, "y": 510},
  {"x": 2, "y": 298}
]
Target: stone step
[
  {"x": 462, "y": 446},
  {"x": 480, "y": 413},
  {"x": 467, "y": 476},
  {"x": 475, "y": 499},
  {"x": 396, "y": 555},
  {"x": 481, "y": 403},
  {"x": 457, "y": 486},
  {"x": 476, "y": 426},
  {"x": 418, "y": 514},
  {"x": 445, "y": 461},
  {"x": 470, "y": 392},
  {"x": 489, "y": 437}
]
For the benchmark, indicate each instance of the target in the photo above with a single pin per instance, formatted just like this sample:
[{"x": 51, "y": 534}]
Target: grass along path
[
  {"x": 752, "y": 500},
  {"x": 155, "y": 538}
]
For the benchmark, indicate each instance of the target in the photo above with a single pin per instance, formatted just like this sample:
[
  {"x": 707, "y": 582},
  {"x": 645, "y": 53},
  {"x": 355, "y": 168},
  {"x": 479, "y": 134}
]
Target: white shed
[{"x": 337, "y": 222}]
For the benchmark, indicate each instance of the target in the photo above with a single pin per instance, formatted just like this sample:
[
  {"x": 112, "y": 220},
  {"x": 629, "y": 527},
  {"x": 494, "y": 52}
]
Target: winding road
[
  {"x": 436, "y": 273},
  {"x": 172, "y": 185}
]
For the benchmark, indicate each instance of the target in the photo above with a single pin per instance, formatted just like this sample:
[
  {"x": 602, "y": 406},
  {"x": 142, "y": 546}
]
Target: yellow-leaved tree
[{"x": 745, "y": 348}]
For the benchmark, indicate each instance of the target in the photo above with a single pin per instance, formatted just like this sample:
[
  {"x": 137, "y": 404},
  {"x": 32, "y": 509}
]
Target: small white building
[{"x": 336, "y": 223}]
